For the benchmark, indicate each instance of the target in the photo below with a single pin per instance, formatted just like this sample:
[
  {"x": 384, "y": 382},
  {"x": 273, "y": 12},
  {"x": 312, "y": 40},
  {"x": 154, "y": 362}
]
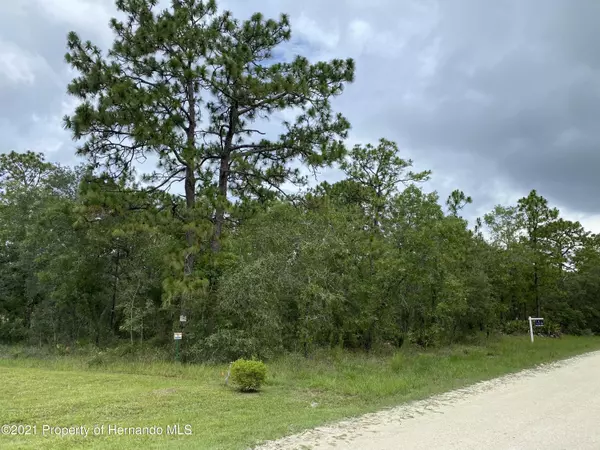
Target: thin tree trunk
[
  {"x": 224, "y": 180},
  {"x": 114, "y": 293},
  {"x": 190, "y": 182},
  {"x": 132, "y": 309},
  {"x": 131, "y": 323},
  {"x": 535, "y": 273},
  {"x": 537, "y": 291},
  {"x": 220, "y": 210}
]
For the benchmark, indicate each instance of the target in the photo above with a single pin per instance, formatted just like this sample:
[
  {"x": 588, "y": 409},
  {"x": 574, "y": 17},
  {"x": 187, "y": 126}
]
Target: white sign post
[
  {"x": 535, "y": 321},
  {"x": 177, "y": 337}
]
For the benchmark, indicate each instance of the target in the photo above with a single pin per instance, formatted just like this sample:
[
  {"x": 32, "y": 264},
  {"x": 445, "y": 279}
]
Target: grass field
[{"x": 73, "y": 391}]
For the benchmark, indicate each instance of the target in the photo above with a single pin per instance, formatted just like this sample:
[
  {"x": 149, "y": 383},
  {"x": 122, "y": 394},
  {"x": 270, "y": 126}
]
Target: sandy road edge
[{"x": 355, "y": 426}]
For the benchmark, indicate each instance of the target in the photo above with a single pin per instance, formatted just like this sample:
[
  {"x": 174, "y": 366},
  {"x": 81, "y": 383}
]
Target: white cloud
[
  {"x": 84, "y": 15},
  {"x": 568, "y": 137},
  {"x": 360, "y": 32},
  {"x": 47, "y": 134},
  {"x": 590, "y": 222},
  {"x": 478, "y": 97},
  {"x": 19, "y": 66},
  {"x": 312, "y": 32}
]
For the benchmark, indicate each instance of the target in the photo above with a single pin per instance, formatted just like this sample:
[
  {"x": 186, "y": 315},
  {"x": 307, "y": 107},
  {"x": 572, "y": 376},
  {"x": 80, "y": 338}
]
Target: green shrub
[
  {"x": 125, "y": 350},
  {"x": 248, "y": 375},
  {"x": 18, "y": 352},
  {"x": 63, "y": 350},
  {"x": 98, "y": 360},
  {"x": 423, "y": 337},
  {"x": 397, "y": 362},
  {"x": 514, "y": 327},
  {"x": 549, "y": 329},
  {"x": 229, "y": 345}
]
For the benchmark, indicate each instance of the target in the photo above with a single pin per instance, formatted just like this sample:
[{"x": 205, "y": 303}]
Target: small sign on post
[
  {"x": 182, "y": 318},
  {"x": 535, "y": 321},
  {"x": 177, "y": 337}
]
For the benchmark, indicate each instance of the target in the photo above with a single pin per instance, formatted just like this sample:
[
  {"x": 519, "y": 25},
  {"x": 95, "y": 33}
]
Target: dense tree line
[{"x": 103, "y": 252}]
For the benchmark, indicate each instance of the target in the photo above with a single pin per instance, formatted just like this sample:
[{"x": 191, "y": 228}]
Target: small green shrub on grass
[
  {"x": 397, "y": 363},
  {"x": 516, "y": 327},
  {"x": 98, "y": 360},
  {"x": 248, "y": 375},
  {"x": 549, "y": 329}
]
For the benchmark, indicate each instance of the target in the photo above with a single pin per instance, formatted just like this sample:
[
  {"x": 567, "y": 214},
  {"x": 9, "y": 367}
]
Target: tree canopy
[{"x": 197, "y": 133}]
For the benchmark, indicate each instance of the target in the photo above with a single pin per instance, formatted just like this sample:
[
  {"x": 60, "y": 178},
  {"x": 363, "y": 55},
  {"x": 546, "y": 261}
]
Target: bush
[
  {"x": 98, "y": 360},
  {"x": 248, "y": 375},
  {"x": 549, "y": 329},
  {"x": 397, "y": 362},
  {"x": 228, "y": 345},
  {"x": 63, "y": 350},
  {"x": 514, "y": 327},
  {"x": 423, "y": 337}
]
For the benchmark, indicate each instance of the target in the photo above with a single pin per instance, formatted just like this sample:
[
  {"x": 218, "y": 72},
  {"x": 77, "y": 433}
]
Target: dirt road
[{"x": 552, "y": 407}]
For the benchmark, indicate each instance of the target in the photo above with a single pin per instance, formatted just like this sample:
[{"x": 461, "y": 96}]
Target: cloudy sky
[{"x": 496, "y": 97}]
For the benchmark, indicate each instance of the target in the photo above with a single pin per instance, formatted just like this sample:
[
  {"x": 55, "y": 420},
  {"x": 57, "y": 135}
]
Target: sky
[{"x": 495, "y": 97}]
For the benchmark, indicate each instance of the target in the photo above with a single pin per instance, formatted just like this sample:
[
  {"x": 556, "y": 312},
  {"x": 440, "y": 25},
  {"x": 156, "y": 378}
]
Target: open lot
[{"x": 68, "y": 391}]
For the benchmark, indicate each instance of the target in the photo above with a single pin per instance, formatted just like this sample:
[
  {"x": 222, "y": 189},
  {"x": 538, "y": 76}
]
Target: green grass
[{"x": 76, "y": 390}]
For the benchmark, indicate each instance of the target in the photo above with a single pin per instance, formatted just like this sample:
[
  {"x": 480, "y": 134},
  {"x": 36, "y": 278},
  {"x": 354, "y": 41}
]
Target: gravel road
[{"x": 551, "y": 407}]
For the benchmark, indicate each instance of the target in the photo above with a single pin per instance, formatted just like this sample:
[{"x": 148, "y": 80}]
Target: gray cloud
[
  {"x": 514, "y": 88},
  {"x": 496, "y": 97}
]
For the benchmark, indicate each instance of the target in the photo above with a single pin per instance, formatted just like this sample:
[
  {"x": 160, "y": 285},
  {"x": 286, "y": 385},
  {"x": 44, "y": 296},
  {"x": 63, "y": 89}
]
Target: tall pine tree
[{"x": 192, "y": 89}]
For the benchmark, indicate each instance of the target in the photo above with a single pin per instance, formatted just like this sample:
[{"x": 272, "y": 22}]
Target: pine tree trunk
[
  {"x": 190, "y": 182},
  {"x": 114, "y": 293},
  {"x": 220, "y": 210},
  {"x": 537, "y": 291},
  {"x": 224, "y": 179}
]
